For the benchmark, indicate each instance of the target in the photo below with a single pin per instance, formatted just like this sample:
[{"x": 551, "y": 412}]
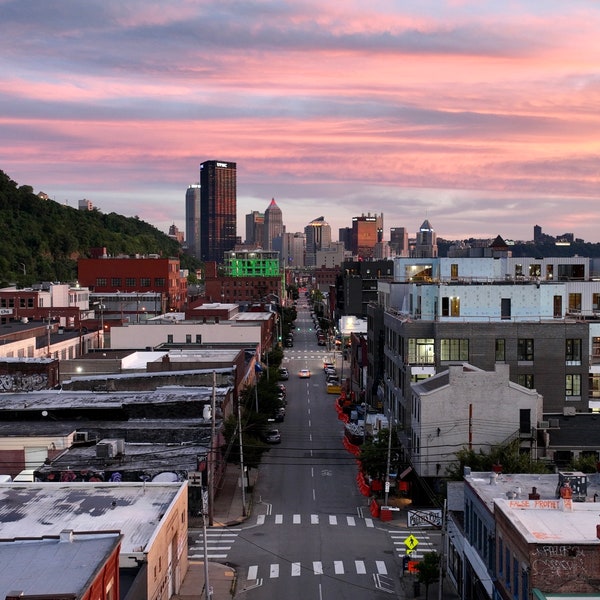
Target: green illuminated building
[{"x": 252, "y": 263}]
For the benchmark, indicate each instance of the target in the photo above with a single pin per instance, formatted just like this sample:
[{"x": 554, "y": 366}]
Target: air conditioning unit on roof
[{"x": 543, "y": 425}]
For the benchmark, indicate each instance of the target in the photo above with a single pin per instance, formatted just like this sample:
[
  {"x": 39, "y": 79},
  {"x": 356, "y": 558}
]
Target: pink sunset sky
[{"x": 483, "y": 117}]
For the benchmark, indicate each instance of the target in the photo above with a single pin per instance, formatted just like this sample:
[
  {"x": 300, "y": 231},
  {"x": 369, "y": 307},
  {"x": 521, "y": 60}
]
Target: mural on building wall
[
  {"x": 93, "y": 475},
  {"x": 20, "y": 382}
]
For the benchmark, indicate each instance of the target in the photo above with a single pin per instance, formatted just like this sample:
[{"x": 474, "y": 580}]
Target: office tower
[
  {"x": 366, "y": 232},
  {"x": 292, "y": 249},
  {"x": 273, "y": 224},
  {"x": 318, "y": 236},
  {"x": 255, "y": 222},
  {"x": 426, "y": 246},
  {"x": 399, "y": 241},
  {"x": 218, "y": 209},
  {"x": 192, "y": 219}
]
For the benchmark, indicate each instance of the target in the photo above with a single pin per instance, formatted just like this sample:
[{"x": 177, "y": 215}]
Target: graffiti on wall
[
  {"x": 558, "y": 561},
  {"x": 19, "y": 382}
]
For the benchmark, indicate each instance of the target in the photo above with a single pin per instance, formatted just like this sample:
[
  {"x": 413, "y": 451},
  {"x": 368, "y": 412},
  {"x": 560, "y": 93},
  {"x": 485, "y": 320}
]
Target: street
[{"x": 310, "y": 534}]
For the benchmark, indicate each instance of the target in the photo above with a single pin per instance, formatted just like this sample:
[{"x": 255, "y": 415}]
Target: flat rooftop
[
  {"x": 29, "y": 566},
  {"x": 43, "y": 509},
  {"x": 61, "y": 399}
]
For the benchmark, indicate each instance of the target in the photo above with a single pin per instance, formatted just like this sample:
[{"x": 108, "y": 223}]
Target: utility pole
[
  {"x": 239, "y": 411},
  {"x": 207, "y": 588},
  {"x": 211, "y": 455},
  {"x": 389, "y": 459},
  {"x": 442, "y": 552}
]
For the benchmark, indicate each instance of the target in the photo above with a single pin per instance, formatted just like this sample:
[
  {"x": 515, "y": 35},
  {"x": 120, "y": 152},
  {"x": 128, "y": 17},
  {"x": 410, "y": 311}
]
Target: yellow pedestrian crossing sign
[{"x": 411, "y": 542}]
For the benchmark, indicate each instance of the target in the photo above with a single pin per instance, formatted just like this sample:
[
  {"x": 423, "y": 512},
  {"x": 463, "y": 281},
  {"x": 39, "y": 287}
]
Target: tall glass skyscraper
[
  {"x": 218, "y": 209},
  {"x": 273, "y": 224},
  {"x": 192, "y": 220}
]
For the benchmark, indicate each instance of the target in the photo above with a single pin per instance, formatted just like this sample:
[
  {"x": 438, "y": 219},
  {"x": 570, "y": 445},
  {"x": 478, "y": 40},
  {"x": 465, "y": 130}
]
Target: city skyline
[{"x": 480, "y": 118}]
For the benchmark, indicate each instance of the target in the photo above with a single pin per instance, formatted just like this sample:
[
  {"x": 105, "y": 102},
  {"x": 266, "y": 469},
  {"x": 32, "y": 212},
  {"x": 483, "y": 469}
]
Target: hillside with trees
[{"x": 41, "y": 240}]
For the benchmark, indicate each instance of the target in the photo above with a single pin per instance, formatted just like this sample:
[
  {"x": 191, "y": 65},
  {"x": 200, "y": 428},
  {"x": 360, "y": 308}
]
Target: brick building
[{"x": 151, "y": 273}]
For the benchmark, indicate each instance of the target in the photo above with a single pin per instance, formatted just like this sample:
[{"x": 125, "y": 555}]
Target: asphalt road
[{"x": 311, "y": 534}]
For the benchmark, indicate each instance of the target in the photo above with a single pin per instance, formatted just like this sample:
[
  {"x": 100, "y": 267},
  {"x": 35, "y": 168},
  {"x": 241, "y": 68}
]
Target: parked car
[
  {"x": 272, "y": 436},
  {"x": 283, "y": 374}
]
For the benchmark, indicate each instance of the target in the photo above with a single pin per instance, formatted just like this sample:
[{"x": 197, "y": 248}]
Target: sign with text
[{"x": 424, "y": 518}]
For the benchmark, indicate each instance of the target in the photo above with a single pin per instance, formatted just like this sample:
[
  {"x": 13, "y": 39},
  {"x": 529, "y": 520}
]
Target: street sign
[
  {"x": 411, "y": 542},
  {"x": 194, "y": 479}
]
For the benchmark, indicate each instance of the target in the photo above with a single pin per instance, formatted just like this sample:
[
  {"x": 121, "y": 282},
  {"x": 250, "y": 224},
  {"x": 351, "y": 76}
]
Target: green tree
[
  {"x": 428, "y": 570},
  {"x": 508, "y": 456}
]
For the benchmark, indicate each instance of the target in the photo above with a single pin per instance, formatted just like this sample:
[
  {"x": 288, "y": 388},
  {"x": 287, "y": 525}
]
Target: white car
[{"x": 304, "y": 373}]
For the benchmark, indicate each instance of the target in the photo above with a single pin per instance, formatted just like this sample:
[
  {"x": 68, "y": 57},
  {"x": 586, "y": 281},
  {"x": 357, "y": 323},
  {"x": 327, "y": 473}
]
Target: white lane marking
[
  {"x": 314, "y": 519},
  {"x": 296, "y": 569},
  {"x": 318, "y": 567},
  {"x": 260, "y": 520},
  {"x": 252, "y": 572},
  {"x": 360, "y": 567},
  {"x": 381, "y": 568},
  {"x": 278, "y": 519},
  {"x": 274, "y": 572},
  {"x": 369, "y": 523},
  {"x": 351, "y": 521},
  {"x": 338, "y": 567},
  {"x": 332, "y": 520},
  {"x": 296, "y": 519}
]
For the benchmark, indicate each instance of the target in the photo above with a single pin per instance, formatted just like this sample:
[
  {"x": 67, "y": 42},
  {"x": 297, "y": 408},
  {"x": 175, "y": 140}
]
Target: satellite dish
[{"x": 44, "y": 413}]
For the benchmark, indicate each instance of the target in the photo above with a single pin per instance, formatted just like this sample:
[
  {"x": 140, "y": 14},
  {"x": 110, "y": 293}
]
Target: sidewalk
[{"x": 228, "y": 512}]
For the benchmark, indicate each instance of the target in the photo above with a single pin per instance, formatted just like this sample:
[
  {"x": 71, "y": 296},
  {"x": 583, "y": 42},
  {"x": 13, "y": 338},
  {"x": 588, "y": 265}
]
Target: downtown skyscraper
[{"x": 218, "y": 209}]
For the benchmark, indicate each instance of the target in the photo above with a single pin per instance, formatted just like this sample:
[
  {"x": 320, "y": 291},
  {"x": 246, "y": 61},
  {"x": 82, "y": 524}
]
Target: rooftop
[
  {"x": 42, "y": 509},
  {"x": 29, "y": 566}
]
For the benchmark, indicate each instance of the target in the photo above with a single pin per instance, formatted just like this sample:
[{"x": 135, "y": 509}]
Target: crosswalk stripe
[
  {"x": 252, "y": 572},
  {"x": 278, "y": 519},
  {"x": 381, "y": 568},
  {"x": 296, "y": 569},
  {"x": 260, "y": 520},
  {"x": 332, "y": 520},
  {"x": 318, "y": 567},
  {"x": 274, "y": 571},
  {"x": 314, "y": 519},
  {"x": 296, "y": 519},
  {"x": 361, "y": 569},
  {"x": 338, "y": 567},
  {"x": 351, "y": 521}
]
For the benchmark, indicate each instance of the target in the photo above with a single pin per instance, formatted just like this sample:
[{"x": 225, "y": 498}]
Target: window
[
  {"x": 21, "y": 302},
  {"x": 505, "y": 308},
  {"x": 573, "y": 351},
  {"x": 454, "y": 349},
  {"x": 115, "y": 281},
  {"x": 571, "y": 272},
  {"x": 450, "y": 306},
  {"x": 159, "y": 281},
  {"x": 535, "y": 270},
  {"x": 188, "y": 338},
  {"x": 549, "y": 272},
  {"x": 170, "y": 338},
  {"x": 575, "y": 302},
  {"x": 596, "y": 301},
  {"x": 500, "y": 350},
  {"x": 454, "y": 271},
  {"x": 145, "y": 282},
  {"x": 518, "y": 270},
  {"x": 101, "y": 282},
  {"x": 573, "y": 384},
  {"x": 525, "y": 349},
  {"x": 594, "y": 385},
  {"x": 557, "y": 307},
  {"x": 420, "y": 351},
  {"x": 526, "y": 380},
  {"x": 198, "y": 338},
  {"x": 130, "y": 282},
  {"x": 29, "y": 302}
]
